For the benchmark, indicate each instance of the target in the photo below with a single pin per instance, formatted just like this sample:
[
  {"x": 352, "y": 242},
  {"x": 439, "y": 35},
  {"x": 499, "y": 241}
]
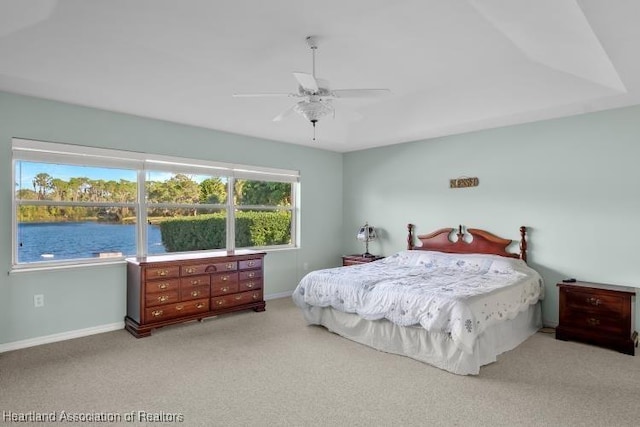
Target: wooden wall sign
[{"x": 464, "y": 182}]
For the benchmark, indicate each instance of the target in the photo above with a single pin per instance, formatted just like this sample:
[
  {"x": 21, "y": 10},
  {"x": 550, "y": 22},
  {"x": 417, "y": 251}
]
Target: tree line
[{"x": 179, "y": 189}]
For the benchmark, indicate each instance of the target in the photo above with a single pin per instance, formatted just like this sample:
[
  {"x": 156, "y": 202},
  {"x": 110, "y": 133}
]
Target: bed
[{"x": 453, "y": 299}]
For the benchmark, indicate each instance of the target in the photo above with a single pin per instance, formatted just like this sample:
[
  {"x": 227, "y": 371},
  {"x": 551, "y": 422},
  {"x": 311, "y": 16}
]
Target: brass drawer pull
[
  {"x": 593, "y": 321},
  {"x": 225, "y": 289},
  {"x": 190, "y": 270},
  {"x": 156, "y": 313},
  {"x": 220, "y": 302},
  {"x": 256, "y": 296},
  {"x": 251, "y": 263},
  {"x": 195, "y": 293},
  {"x": 199, "y": 305},
  {"x": 225, "y": 278},
  {"x": 250, "y": 285},
  {"x": 163, "y": 298},
  {"x": 594, "y": 301},
  {"x": 239, "y": 297},
  {"x": 163, "y": 285},
  {"x": 162, "y": 272},
  {"x": 252, "y": 275},
  {"x": 179, "y": 307},
  {"x": 195, "y": 282},
  {"x": 230, "y": 266}
]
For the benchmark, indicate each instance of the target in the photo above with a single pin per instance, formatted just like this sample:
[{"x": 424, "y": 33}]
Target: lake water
[{"x": 73, "y": 240}]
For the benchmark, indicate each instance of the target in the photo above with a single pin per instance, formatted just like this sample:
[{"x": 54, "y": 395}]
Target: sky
[{"x": 26, "y": 172}]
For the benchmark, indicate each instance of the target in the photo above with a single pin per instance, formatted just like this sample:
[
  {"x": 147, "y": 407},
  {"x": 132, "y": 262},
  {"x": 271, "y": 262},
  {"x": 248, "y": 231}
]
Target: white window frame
[{"x": 68, "y": 154}]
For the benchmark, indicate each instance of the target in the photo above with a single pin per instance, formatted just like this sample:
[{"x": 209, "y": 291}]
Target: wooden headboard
[{"x": 482, "y": 242}]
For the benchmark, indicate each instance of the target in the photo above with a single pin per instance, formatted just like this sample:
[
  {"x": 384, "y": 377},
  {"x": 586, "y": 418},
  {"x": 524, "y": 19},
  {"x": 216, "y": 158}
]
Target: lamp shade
[{"x": 366, "y": 233}]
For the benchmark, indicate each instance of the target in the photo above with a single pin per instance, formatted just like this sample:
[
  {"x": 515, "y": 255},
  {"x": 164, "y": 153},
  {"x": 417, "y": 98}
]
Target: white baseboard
[
  {"x": 31, "y": 342},
  {"x": 278, "y": 295}
]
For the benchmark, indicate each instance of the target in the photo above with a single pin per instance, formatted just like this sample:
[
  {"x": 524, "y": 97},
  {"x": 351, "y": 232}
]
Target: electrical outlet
[
  {"x": 305, "y": 266},
  {"x": 38, "y": 300}
]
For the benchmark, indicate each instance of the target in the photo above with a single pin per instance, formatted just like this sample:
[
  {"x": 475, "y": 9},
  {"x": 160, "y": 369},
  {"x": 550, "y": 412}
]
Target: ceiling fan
[{"x": 315, "y": 94}]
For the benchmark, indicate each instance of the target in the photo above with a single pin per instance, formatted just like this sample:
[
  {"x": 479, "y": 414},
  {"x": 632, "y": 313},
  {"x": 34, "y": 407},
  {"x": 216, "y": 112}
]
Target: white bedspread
[{"x": 460, "y": 295}]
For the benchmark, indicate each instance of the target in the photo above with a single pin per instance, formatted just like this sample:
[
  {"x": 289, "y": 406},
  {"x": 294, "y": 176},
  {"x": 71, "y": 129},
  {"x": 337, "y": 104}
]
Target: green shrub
[{"x": 253, "y": 228}]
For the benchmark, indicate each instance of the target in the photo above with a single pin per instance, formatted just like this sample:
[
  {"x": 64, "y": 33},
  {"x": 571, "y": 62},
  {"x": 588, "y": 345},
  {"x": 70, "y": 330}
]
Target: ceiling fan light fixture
[{"x": 314, "y": 110}]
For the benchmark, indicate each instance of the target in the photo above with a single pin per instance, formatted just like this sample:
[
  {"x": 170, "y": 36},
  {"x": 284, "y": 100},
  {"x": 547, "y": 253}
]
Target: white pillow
[
  {"x": 406, "y": 258},
  {"x": 504, "y": 265}
]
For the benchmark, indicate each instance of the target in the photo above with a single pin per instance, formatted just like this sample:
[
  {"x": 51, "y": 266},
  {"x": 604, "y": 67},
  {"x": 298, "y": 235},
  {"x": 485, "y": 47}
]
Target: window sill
[
  {"x": 120, "y": 261},
  {"x": 34, "y": 268}
]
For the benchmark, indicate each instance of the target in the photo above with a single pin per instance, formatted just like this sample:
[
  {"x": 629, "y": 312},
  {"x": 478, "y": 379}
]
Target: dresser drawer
[
  {"x": 159, "y": 298},
  {"x": 224, "y": 279},
  {"x": 249, "y": 285},
  {"x": 595, "y": 302},
  {"x": 206, "y": 268},
  {"x": 236, "y": 299},
  {"x": 161, "y": 285},
  {"x": 181, "y": 309},
  {"x": 194, "y": 292},
  {"x": 251, "y": 274},
  {"x": 161, "y": 272},
  {"x": 590, "y": 322},
  {"x": 224, "y": 288},
  {"x": 250, "y": 263},
  {"x": 190, "y": 282},
  {"x": 225, "y": 266}
]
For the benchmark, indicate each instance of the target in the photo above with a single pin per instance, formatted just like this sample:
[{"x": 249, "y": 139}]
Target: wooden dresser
[
  {"x": 359, "y": 259},
  {"x": 597, "y": 314},
  {"x": 168, "y": 289}
]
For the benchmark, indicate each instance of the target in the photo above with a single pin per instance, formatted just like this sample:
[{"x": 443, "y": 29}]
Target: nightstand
[
  {"x": 597, "y": 314},
  {"x": 359, "y": 259}
]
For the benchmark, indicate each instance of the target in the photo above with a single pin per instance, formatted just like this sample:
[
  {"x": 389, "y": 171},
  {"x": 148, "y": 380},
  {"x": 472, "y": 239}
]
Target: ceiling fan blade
[
  {"x": 307, "y": 81},
  {"x": 262, "y": 95},
  {"x": 360, "y": 93},
  {"x": 284, "y": 114}
]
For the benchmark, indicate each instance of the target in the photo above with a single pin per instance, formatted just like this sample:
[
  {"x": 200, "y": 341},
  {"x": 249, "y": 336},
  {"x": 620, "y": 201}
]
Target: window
[
  {"x": 75, "y": 204},
  {"x": 263, "y": 213}
]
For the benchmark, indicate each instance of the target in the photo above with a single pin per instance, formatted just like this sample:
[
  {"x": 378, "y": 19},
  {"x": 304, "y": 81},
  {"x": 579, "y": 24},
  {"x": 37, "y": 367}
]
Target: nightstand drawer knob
[
  {"x": 593, "y": 321},
  {"x": 594, "y": 301}
]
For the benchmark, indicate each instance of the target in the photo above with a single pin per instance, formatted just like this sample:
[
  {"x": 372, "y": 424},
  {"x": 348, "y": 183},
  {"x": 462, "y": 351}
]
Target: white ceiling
[{"x": 452, "y": 65}]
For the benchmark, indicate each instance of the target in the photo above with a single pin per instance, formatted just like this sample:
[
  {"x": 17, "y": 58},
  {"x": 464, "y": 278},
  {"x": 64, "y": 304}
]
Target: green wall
[
  {"x": 87, "y": 297},
  {"x": 573, "y": 181}
]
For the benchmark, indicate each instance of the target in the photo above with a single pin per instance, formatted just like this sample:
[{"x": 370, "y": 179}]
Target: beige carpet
[{"x": 271, "y": 369}]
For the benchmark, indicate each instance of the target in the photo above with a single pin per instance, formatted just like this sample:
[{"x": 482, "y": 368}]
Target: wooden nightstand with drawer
[
  {"x": 359, "y": 259},
  {"x": 597, "y": 314}
]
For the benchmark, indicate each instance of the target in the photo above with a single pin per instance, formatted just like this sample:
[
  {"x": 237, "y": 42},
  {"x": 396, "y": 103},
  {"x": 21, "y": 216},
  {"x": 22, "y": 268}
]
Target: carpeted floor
[{"x": 272, "y": 369}]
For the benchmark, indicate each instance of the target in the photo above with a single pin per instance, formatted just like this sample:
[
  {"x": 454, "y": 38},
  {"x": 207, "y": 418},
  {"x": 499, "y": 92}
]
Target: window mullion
[
  {"x": 231, "y": 216},
  {"x": 141, "y": 215}
]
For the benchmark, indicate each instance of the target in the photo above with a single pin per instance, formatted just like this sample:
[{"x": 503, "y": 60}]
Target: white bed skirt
[{"x": 436, "y": 349}]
